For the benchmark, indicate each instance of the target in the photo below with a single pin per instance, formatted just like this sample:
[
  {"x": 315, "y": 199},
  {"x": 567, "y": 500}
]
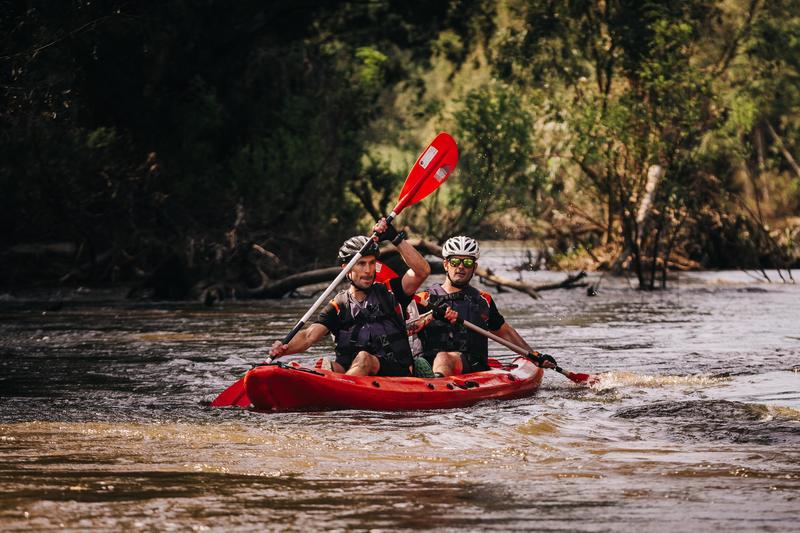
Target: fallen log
[
  {"x": 570, "y": 282},
  {"x": 487, "y": 275},
  {"x": 283, "y": 286},
  {"x": 280, "y": 287}
]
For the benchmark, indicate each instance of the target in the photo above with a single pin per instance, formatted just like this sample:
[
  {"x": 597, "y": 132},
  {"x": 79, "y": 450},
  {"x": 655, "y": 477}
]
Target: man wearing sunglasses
[{"x": 450, "y": 347}]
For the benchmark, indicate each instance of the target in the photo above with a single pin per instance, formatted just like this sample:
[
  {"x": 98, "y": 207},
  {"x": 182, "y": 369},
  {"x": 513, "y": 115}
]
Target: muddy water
[{"x": 695, "y": 424}]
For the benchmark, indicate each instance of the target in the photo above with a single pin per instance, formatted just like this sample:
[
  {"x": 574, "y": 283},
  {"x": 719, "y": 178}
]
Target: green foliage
[
  {"x": 134, "y": 128},
  {"x": 450, "y": 45},
  {"x": 496, "y": 168},
  {"x": 764, "y": 93},
  {"x": 102, "y": 137},
  {"x": 656, "y": 100},
  {"x": 257, "y": 107},
  {"x": 370, "y": 72}
]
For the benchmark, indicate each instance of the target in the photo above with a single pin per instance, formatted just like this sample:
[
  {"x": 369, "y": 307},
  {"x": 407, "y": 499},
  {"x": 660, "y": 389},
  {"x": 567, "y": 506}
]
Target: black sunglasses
[{"x": 455, "y": 261}]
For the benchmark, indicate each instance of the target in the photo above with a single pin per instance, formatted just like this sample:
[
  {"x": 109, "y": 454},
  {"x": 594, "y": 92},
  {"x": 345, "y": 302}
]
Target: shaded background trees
[
  {"x": 176, "y": 135},
  {"x": 136, "y": 130}
]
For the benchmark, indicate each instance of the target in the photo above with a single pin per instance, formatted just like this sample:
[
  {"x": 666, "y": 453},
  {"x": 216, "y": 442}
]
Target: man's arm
[
  {"x": 301, "y": 342},
  {"x": 511, "y": 335},
  {"x": 418, "y": 268}
]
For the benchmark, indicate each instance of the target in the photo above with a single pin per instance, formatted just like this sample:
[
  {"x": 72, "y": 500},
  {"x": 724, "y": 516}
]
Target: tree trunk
[{"x": 654, "y": 175}]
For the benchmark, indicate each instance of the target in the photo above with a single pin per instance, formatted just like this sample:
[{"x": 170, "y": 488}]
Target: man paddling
[
  {"x": 449, "y": 346},
  {"x": 366, "y": 319}
]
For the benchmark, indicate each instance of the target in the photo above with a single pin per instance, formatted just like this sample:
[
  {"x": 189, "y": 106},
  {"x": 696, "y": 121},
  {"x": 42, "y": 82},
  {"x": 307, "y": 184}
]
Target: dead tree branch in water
[
  {"x": 570, "y": 282},
  {"x": 281, "y": 287},
  {"x": 431, "y": 248}
]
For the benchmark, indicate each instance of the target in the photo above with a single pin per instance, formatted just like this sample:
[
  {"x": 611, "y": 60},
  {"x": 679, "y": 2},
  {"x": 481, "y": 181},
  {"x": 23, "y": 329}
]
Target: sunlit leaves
[
  {"x": 497, "y": 169},
  {"x": 369, "y": 70}
]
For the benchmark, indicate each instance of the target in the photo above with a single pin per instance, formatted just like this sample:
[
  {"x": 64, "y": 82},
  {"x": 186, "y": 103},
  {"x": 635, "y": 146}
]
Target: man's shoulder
[
  {"x": 480, "y": 293},
  {"x": 339, "y": 301},
  {"x": 486, "y": 296}
]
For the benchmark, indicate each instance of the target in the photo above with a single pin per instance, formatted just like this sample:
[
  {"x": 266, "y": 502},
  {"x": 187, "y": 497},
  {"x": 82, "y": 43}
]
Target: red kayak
[{"x": 293, "y": 387}]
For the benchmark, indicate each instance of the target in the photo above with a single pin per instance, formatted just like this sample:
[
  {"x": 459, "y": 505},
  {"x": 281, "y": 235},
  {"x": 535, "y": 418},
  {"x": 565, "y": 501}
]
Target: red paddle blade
[
  {"x": 432, "y": 168},
  {"x": 582, "y": 379},
  {"x": 383, "y": 273},
  {"x": 235, "y": 395}
]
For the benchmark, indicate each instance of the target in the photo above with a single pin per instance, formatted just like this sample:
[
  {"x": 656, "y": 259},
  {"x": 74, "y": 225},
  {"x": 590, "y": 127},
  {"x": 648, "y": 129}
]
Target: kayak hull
[{"x": 292, "y": 387}]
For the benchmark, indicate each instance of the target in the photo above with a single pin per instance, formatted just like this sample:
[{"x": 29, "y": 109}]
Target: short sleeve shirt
[
  {"x": 329, "y": 317},
  {"x": 496, "y": 320}
]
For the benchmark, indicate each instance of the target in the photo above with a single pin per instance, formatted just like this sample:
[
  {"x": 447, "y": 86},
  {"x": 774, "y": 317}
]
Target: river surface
[{"x": 694, "y": 426}]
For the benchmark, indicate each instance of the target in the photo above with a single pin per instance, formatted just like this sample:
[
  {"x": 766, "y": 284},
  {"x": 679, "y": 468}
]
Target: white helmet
[{"x": 461, "y": 245}]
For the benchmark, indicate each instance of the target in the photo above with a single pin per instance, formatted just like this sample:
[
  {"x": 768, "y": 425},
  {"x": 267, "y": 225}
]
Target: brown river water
[{"x": 695, "y": 425}]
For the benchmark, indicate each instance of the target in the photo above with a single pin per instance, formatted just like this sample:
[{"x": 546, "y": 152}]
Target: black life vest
[
  {"x": 473, "y": 306},
  {"x": 378, "y": 328}
]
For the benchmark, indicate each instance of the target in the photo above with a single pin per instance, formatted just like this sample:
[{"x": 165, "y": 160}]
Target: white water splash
[{"x": 613, "y": 380}]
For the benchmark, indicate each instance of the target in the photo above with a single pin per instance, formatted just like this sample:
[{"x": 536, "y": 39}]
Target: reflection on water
[{"x": 695, "y": 424}]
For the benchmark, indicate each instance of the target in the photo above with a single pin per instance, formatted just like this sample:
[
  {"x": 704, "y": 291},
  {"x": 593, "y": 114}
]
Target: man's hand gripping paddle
[
  {"x": 431, "y": 169},
  {"x": 536, "y": 357}
]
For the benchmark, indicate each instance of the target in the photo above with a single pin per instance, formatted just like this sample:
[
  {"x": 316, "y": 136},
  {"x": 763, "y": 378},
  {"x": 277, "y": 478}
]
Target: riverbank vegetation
[{"x": 177, "y": 146}]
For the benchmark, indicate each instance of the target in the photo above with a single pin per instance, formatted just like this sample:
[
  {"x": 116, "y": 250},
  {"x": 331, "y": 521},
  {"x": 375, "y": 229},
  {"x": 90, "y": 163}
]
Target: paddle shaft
[
  {"x": 430, "y": 169},
  {"x": 332, "y": 286},
  {"x": 404, "y": 201},
  {"x": 508, "y": 344},
  {"x": 437, "y": 161}
]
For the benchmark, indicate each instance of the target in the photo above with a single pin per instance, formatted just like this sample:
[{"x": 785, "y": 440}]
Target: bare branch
[{"x": 783, "y": 149}]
